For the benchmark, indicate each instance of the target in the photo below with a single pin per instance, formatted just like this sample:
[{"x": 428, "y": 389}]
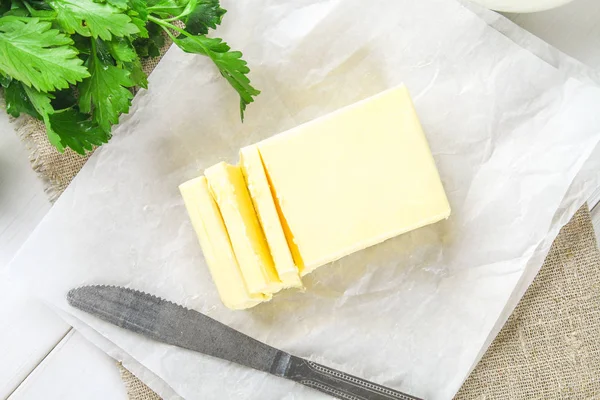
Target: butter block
[
  {"x": 260, "y": 192},
  {"x": 228, "y": 187},
  {"x": 353, "y": 178},
  {"x": 214, "y": 240}
]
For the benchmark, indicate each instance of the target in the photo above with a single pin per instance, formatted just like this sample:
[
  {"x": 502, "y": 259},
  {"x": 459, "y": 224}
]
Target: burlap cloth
[{"x": 549, "y": 347}]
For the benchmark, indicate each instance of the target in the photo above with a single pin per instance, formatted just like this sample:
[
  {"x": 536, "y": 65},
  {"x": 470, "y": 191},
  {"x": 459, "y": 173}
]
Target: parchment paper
[
  {"x": 586, "y": 181},
  {"x": 509, "y": 133}
]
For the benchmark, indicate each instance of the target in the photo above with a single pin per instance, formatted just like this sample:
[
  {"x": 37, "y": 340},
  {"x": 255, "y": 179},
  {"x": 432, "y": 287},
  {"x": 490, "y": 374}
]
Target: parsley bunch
[{"x": 73, "y": 63}]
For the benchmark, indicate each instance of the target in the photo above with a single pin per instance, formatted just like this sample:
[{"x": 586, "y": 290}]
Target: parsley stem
[
  {"x": 29, "y": 8},
  {"x": 166, "y": 26},
  {"x": 32, "y": 12},
  {"x": 26, "y": 19},
  {"x": 93, "y": 42}
]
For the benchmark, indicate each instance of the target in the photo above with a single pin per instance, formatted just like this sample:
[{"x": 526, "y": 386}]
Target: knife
[{"x": 173, "y": 324}]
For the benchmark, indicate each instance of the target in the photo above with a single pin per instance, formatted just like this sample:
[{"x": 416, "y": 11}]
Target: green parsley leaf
[
  {"x": 92, "y": 19},
  {"x": 138, "y": 13},
  {"x": 82, "y": 44},
  {"x": 207, "y": 14},
  {"x": 65, "y": 98},
  {"x": 100, "y": 48},
  {"x": 38, "y": 5},
  {"x": 37, "y": 55},
  {"x": 125, "y": 56},
  {"x": 74, "y": 63},
  {"x": 189, "y": 7},
  {"x": 41, "y": 103},
  {"x": 120, "y": 4},
  {"x": 17, "y": 9},
  {"x": 5, "y": 80},
  {"x": 140, "y": 7},
  {"x": 230, "y": 64},
  {"x": 39, "y": 9},
  {"x": 121, "y": 50},
  {"x": 17, "y": 101},
  {"x": 65, "y": 128},
  {"x": 105, "y": 93},
  {"x": 77, "y": 130},
  {"x": 166, "y": 8},
  {"x": 150, "y": 46},
  {"x": 140, "y": 23},
  {"x": 137, "y": 74},
  {"x": 5, "y": 6}
]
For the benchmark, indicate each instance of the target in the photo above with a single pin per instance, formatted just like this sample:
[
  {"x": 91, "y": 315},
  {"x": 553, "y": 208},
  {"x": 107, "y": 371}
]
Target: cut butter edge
[
  {"x": 264, "y": 201},
  {"x": 226, "y": 183},
  {"x": 216, "y": 246}
]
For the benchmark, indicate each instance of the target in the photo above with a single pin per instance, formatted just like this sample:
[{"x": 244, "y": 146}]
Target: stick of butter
[
  {"x": 214, "y": 240},
  {"x": 314, "y": 194},
  {"x": 353, "y": 178},
  {"x": 262, "y": 198},
  {"x": 228, "y": 187}
]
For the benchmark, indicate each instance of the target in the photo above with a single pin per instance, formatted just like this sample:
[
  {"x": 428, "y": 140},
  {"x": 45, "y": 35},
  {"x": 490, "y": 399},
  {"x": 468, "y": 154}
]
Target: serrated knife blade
[{"x": 173, "y": 324}]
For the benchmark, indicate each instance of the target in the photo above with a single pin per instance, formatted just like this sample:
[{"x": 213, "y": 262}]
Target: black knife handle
[{"x": 339, "y": 384}]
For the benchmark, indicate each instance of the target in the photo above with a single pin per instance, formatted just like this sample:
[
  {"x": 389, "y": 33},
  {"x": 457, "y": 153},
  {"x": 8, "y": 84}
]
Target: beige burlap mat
[
  {"x": 57, "y": 169},
  {"x": 549, "y": 347},
  {"x": 136, "y": 390}
]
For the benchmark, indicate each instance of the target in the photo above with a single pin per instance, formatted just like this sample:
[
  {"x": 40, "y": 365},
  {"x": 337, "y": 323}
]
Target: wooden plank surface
[
  {"x": 29, "y": 332},
  {"x": 23, "y": 202},
  {"x": 573, "y": 28},
  {"x": 29, "y": 329},
  {"x": 75, "y": 369}
]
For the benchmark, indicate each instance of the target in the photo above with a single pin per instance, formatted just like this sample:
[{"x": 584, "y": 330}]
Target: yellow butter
[
  {"x": 214, "y": 240},
  {"x": 258, "y": 186},
  {"x": 353, "y": 178},
  {"x": 228, "y": 187}
]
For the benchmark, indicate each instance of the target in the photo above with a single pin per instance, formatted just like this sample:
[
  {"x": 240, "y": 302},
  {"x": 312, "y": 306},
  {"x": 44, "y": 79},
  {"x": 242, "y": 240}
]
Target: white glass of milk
[{"x": 521, "y": 6}]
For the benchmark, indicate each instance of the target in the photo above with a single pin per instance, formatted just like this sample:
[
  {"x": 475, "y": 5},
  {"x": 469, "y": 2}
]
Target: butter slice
[
  {"x": 260, "y": 191},
  {"x": 228, "y": 187},
  {"x": 354, "y": 178},
  {"x": 211, "y": 232}
]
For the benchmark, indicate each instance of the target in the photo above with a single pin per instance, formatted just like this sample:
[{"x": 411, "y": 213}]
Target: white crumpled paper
[{"x": 509, "y": 133}]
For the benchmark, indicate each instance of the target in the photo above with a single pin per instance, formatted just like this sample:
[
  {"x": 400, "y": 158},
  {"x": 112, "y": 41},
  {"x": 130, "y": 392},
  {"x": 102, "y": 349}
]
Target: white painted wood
[
  {"x": 573, "y": 29},
  {"x": 29, "y": 332},
  {"x": 520, "y": 6},
  {"x": 23, "y": 202},
  {"x": 594, "y": 201},
  {"x": 29, "y": 329},
  {"x": 75, "y": 369}
]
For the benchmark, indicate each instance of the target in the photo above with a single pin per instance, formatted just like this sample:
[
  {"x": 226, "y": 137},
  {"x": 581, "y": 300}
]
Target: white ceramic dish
[{"x": 521, "y": 6}]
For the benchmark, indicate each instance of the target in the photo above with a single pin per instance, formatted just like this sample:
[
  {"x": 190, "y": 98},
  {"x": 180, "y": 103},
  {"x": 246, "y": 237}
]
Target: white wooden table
[{"x": 41, "y": 357}]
